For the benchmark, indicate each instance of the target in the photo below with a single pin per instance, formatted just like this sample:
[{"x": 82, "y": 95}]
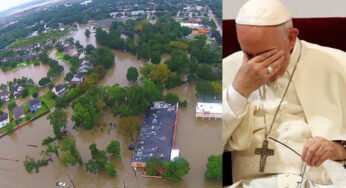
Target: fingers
[
  {"x": 317, "y": 155},
  {"x": 317, "y": 151},
  {"x": 272, "y": 59},
  {"x": 323, "y": 158},
  {"x": 309, "y": 150},
  {"x": 266, "y": 55}
]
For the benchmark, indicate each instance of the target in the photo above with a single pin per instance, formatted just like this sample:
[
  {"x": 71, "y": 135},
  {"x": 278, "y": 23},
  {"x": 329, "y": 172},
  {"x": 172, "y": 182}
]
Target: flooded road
[
  {"x": 80, "y": 35},
  {"x": 31, "y": 71},
  {"x": 117, "y": 74},
  {"x": 196, "y": 140}
]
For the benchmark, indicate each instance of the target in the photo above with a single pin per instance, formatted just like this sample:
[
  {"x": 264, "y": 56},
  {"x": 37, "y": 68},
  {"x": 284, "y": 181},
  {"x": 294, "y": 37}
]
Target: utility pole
[
  {"x": 71, "y": 181},
  {"x": 134, "y": 169}
]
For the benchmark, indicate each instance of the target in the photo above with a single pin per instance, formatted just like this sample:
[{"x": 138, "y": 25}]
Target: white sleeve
[
  {"x": 237, "y": 102},
  {"x": 236, "y": 111}
]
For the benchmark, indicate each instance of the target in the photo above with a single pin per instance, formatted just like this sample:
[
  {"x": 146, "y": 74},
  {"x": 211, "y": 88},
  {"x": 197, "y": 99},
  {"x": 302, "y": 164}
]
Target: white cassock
[{"x": 315, "y": 105}]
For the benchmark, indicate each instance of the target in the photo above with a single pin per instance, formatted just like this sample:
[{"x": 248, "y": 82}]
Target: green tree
[
  {"x": 205, "y": 90},
  {"x": 92, "y": 167},
  {"x": 110, "y": 169},
  {"x": 155, "y": 57},
  {"x": 146, "y": 69},
  {"x": 176, "y": 169},
  {"x": 89, "y": 49},
  {"x": 35, "y": 95},
  {"x": 103, "y": 57},
  {"x": 12, "y": 105},
  {"x": 58, "y": 119},
  {"x": 114, "y": 148},
  {"x": 30, "y": 164},
  {"x": 152, "y": 166},
  {"x": 85, "y": 115},
  {"x": 214, "y": 167},
  {"x": 101, "y": 37},
  {"x": 70, "y": 156},
  {"x": 51, "y": 148},
  {"x": 25, "y": 93},
  {"x": 171, "y": 98},
  {"x": 129, "y": 126},
  {"x": 87, "y": 33},
  {"x": 159, "y": 74},
  {"x": 44, "y": 81},
  {"x": 98, "y": 161},
  {"x": 132, "y": 74},
  {"x": 178, "y": 62},
  {"x": 205, "y": 72}
]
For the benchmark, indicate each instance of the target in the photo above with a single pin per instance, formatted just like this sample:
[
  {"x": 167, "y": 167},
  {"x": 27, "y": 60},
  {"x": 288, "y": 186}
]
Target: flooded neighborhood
[{"x": 196, "y": 139}]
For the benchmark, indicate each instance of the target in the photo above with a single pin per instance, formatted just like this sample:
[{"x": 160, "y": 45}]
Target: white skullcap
[{"x": 263, "y": 13}]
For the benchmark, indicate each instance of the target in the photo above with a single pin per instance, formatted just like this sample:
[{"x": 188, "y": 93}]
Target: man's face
[{"x": 255, "y": 40}]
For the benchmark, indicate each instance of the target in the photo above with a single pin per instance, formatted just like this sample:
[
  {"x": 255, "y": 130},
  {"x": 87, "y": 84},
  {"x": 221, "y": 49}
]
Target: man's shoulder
[
  {"x": 230, "y": 66},
  {"x": 319, "y": 51},
  {"x": 236, "y": 57},
  {"x": 327, "y": 59}
]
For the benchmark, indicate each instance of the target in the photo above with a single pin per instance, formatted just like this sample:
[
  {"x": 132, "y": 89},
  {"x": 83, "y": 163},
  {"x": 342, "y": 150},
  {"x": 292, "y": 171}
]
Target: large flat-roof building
[
  {"x": 157, "y": 134},
  {"x": 209, "y": 110}
]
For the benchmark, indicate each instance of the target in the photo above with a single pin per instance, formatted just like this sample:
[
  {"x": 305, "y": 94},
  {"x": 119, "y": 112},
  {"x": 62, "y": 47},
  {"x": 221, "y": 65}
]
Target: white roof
[
  {"x": 174, "y": 153},
  {"x": 214, "y": 108},
  {"x": 190, "y": 25}
]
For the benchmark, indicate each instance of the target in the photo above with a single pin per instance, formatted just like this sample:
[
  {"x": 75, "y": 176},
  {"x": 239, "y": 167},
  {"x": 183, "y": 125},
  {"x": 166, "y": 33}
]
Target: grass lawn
[
  {"x": 48, "y": 99},
  {"x": 12, "y": 123},
  {"x": 32, "y": 90},
  {"x": 28, "y": 116}
]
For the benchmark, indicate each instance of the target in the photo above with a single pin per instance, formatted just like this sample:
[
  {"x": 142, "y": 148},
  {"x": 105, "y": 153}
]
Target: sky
[{"x": 7, "y": 4}]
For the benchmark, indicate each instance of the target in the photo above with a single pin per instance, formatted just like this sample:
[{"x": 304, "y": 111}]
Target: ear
[{"x": 292, "y": 37}]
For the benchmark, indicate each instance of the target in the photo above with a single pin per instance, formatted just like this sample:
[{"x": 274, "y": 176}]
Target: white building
[
  {"x": 209, "y": 110},
  {"x": 191, "y": 25}
]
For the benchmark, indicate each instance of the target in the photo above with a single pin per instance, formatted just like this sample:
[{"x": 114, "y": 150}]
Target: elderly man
[{"x": 284, "y": 102}]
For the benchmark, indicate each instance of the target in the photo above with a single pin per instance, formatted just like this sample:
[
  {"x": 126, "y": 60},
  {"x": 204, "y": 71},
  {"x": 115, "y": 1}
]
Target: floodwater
[
  {"x": 33, "y": 72},
  {"x": 80, "y": 35},
  {"x": 196, "y": 139}
]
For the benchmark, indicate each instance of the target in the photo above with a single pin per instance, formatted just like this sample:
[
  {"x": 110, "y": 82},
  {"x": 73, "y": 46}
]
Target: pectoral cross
[{"x": 264, "y": 152}]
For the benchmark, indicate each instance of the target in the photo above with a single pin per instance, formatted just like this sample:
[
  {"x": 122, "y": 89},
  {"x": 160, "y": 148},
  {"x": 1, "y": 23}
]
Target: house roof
[
  {"x": 3, "y": 117},
  {"x": 3, "y": 93},
  {"x": 34, "y": 102},
  {"x": 60, "y": 87},
  {"x": 86, "y": 63},
  {"x": 17, "y": 88},
  {"x": 18, "y": 111},
  {"x": 79, "y": 75}
]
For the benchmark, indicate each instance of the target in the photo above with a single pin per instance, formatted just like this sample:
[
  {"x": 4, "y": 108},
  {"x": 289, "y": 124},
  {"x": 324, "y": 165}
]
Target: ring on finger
[{"x": 269, "y": 70}]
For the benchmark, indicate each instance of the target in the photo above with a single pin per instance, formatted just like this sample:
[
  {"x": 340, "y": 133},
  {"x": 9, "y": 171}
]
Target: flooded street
[
  {"x": 196, "y": 140},
  {"x": 31, "y": 71},
  {"x": 80, "y": 35},
  {"x": 117, "y": 74}
]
